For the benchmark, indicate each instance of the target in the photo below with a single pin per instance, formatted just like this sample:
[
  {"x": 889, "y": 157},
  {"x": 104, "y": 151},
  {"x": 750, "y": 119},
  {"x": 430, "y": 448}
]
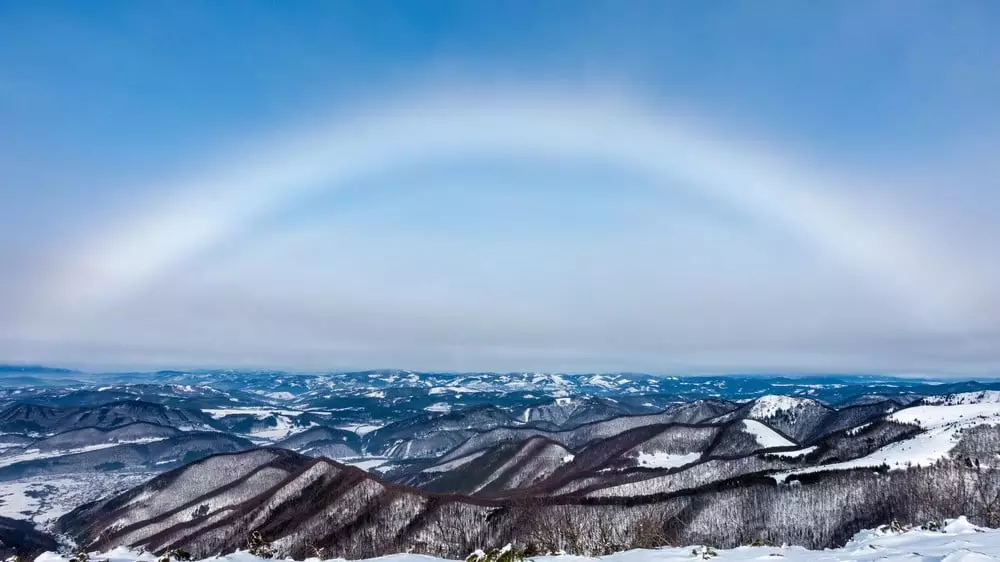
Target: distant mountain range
[{"x": 369, "y": 463}]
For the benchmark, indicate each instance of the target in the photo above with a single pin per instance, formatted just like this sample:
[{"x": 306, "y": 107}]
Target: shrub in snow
[
  {"x": 505, "y": 554},
  {"x": 704, "y": 552},
  {"x": 175, "y": 554},
  {"x": 258, "y": 546},
  {"x": 893, "y": 528},
  {"x": 932, "y": 525},
  {"x": 83, "y": 556}
]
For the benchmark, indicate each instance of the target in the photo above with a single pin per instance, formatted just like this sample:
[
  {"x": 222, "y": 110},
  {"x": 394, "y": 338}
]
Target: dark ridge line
[
  {"x": 170, "y": 477},
  {"x": 743, "y": 480},
  {"x": 107, "y": 429},
  {"x": 625, "y": 417},
  {"x": 247, "y": 507},
  {"x": 646, "y": 433},
  {"x": 554, "y": 483},
  {"x": 532, "y": 427},
  {"x": 141, "y": 449},
  {"x": 540, "y": 442},
  {"x": 822, "y": 447}
]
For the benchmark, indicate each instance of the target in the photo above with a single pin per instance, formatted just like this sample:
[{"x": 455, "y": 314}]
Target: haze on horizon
[{"x": 673, "y": 187}]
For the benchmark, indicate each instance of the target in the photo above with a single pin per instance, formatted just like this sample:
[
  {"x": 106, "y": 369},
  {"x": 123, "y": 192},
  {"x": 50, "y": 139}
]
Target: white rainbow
[{"x": 199, "y": 213}]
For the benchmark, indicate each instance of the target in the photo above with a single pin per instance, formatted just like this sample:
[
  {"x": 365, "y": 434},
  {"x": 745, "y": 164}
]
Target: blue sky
[{"x": 663, "y": 186}]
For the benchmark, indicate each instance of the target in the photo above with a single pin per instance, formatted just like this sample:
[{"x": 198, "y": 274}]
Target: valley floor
[
  {"x": 959, "y": 541},
  {"x": 42, "y": 499}
]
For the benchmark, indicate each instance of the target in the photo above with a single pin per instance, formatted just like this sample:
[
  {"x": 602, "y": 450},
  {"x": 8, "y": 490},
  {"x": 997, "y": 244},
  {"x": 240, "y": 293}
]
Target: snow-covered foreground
[{"x": 959, "y": 541}]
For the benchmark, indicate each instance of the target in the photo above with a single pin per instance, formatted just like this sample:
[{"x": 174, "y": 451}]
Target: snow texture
[
  {"x": 958, "y": 541},
  {"x": 765, "y": 436},
  {"x": 773, "y": 404}
]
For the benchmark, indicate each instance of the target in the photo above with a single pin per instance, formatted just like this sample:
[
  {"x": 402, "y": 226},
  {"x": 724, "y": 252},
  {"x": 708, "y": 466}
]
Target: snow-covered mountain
[{"x": 348, "y": 459}]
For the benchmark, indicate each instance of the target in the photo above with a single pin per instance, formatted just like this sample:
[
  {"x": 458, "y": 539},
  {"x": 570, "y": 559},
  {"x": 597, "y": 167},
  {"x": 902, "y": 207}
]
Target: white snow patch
[
  {"x": 770, "y": 405},
  {"x": 854, "y": 431},
  {"x": 452, "y": 465},
  {"x": 933, "y": 416},
  {"x": 795, "y": 453},
  {"x": 603, "y": 382},
  {"x": 983, "y": 397},
  {"x": 367, "y": 464},
  {"x": 359, "y": 428},
  {"x": 260, "y": 413},
  {"x": 283, "y": 429},
  {"x": 665, "y": 460},
  {"x": 451, "y": 388},
  {"x": 765, "y": 436}
]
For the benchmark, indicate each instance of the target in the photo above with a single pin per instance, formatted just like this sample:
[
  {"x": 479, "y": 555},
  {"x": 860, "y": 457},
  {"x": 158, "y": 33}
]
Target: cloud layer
[{"x": 202, "y": 263}]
